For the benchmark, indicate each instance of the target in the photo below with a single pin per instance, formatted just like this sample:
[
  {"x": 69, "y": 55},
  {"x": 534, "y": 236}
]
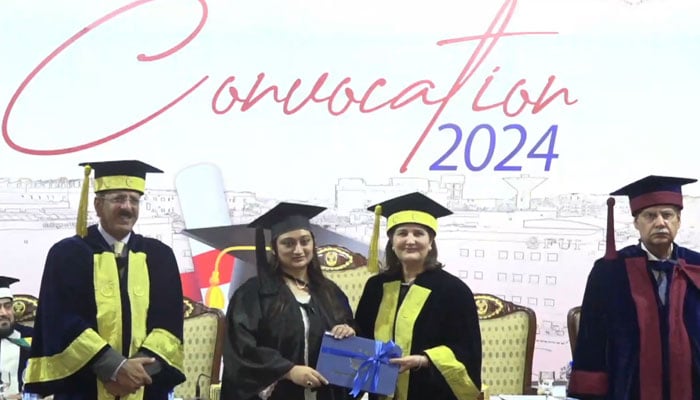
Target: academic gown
[
  {"x": 265, "y": 343},
  {"x": 436, "y": 318},
  {"x": 86, "y": 308},
  {"x": 14, "y": 354},
  {"x": 630, "y": 346}
]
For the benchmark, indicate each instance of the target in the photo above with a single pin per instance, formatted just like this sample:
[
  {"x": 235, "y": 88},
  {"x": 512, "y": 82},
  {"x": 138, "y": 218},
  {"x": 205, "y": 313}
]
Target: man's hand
[
  {"x": 15, "y": 396},
  {"x": 118, "y": 390},
  {"x": 132, "y": 375}
]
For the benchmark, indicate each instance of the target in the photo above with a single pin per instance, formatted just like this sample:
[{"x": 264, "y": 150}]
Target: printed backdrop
[{"x": 518, "y": 115}]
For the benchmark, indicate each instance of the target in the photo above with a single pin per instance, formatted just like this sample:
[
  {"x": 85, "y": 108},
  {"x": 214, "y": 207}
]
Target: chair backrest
[
  {"x": 203, "y": 339},
  {"x": 508, "y": 344},
  {"x": 572, "y": 322},
  {"x": 24, "y": 307},
  {"x": 347, "y": 269}
]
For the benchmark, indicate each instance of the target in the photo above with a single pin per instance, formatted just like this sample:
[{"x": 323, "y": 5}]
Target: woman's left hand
[
  {"x": 411, "y": 362},
  {"x": 342, "y": 331}
]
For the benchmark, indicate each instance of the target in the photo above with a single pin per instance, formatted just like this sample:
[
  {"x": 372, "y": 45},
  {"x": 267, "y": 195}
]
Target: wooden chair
[
  {"x": 347, "y": 269},
  {"x": 203, "y": 340},
  {"x": 24, "y": 307},
  {"x": 508, "y": 344},
  {"x": 573, "y": 319}
]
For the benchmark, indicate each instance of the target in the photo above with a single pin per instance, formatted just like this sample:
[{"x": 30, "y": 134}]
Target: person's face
[
  {"x": 658, "y": 225},
  {"x": 118, "y": 211},
  {"x": 411, "y": 243},
  {"x": 7, "y": 317},
  {"x": 295, "y": 249}
]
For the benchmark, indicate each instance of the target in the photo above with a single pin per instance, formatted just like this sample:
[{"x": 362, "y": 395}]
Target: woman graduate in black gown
[
  {"x": 428, "y": 312},
  {"x": 276, "y": 320}
]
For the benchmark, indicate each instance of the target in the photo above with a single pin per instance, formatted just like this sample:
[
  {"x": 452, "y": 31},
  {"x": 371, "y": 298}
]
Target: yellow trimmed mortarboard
[
  {"x": 412, "y": 208},
  {"x": 121, "y": 175},
  {"x": 111, "y": 175}
]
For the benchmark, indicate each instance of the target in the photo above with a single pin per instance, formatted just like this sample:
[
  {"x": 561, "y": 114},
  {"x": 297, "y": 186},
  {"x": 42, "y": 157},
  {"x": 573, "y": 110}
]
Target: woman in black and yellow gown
[
  {"x": 428, "y": 312},
  {"x": 276, "y": 321}
]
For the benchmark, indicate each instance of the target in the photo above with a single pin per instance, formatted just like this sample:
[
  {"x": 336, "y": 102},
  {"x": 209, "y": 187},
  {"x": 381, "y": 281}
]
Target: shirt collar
[
  {"x": 652, "y": 257},
  {"x": 14, "y": 335},
  {"x": 109, "y": 238}
]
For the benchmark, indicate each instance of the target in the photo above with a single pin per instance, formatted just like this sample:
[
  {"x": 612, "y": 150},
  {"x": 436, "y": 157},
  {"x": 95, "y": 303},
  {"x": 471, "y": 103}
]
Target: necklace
[{"x": 300, "y": 283}]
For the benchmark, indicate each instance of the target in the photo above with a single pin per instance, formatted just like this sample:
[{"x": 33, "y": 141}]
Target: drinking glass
[
  {"x": 545, "y": 383},
  {"x": 5, "y": 381}
]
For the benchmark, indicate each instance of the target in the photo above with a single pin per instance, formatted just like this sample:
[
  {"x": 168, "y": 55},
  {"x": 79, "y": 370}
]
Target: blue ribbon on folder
[{"x": 370, "y": 364}]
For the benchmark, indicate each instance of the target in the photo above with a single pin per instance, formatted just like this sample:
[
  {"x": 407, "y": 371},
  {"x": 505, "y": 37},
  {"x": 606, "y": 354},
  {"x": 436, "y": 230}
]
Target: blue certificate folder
[{"x": 360, "y": 364}]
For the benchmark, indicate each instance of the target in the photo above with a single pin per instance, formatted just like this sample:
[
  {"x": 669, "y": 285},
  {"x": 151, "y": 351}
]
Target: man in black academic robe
[{"x": 110, "y": 317}]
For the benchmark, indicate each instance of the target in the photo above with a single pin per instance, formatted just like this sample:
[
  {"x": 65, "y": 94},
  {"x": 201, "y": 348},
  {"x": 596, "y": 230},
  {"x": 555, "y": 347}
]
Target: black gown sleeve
[{"x": 249, "y": 367}]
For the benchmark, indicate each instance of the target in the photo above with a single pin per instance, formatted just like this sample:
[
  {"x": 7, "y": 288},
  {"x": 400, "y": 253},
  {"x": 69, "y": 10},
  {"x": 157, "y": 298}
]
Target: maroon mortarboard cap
[{"x": 653, "y": 191}]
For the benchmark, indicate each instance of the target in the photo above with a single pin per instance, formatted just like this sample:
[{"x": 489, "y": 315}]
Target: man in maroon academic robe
[{"x": 639, "y": 336}]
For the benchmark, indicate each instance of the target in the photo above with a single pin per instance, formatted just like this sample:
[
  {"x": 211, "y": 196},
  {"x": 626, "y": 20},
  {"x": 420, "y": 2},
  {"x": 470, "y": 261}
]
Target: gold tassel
[
  {"x": 81, "y": 223},
  {"x": 373, "y": 258},
  {"x": 215, "y": 296}
]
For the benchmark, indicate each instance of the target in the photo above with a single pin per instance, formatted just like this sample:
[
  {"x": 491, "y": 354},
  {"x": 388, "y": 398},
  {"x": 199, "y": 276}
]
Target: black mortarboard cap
[
  {"x": 286, "y": 217},
  {"x": 5, "y": 282},
  {"x": 240, "y": 241},
  {"x": 282, "y": 218}
]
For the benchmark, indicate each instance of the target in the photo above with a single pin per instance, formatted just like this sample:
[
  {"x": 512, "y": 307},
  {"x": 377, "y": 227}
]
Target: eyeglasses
[
  {"x": 123, "y": 199},
  {"x": 666, "y": 215}
]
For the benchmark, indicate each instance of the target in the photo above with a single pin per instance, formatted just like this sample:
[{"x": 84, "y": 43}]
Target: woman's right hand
[{"x": 305, "y": 376}]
